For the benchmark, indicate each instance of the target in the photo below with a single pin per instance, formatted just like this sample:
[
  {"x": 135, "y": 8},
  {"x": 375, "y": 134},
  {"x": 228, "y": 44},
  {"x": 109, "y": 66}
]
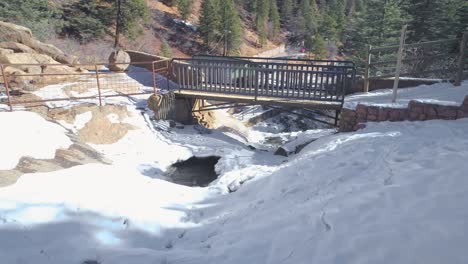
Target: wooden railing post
[
  {"x": 7, "y": 89},
  {"x": 367, "y": 71},
  {"x": 461, "y": 59},
  {"x": 399, "y": 62},
  {"x": 154, "y": 77},
  {"x": 98, "y": 84}
]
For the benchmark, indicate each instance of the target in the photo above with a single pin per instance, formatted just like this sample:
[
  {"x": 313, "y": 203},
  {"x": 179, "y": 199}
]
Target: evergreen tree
[
  {"x": 378, "y": 25},
  {"x": 424, "y": 16},
  {"x": 316, "y": 45},
  {"x": 337, "y": 11},
  {"x": 462, "y": 18},
  {"x": 310, "y": 13},
  {"x": 210, "y": 21},
  {"x": 130, "y": 15},
  {"x": 274, "y": 19},
  {"x": 166, "y": 50},
  {"x": 230, "y": 27},
  {"x": 261, "y": 20},
  {"x": 287, "y": 8},
  {"x": 184, "y": 7},
  {"x": 86, "y": 20}
]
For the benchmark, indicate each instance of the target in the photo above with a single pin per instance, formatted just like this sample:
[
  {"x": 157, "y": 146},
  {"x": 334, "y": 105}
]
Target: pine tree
[
  {"x": 210, "y": 21},
  {"x": 130, "y": 15},
  {"x": 287, "y": 9},
  {"x": 230, "y": 27},
  {"x": 184, "y": 7},
  {"x": 424, "y": 16},
  {"x": 378, "y": 25},
  {"x": 261, "y": 20},
  {"x": 86, "y": 20},
  {"x": 309, "y": 11},
  {"x": 337, "y": 10},
  {"x": 274, "y": 19},
  {"x": 166, "y": 50},
  {"x": 316, "y": 45}
]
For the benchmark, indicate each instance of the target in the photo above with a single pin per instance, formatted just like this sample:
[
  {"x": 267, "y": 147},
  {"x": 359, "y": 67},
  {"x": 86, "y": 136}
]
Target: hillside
[
  {"x": 167, "y": 24},
  {"x": 89, "y": 36}
]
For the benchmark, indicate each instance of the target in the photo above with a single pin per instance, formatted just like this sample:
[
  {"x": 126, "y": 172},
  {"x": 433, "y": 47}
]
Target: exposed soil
[
  {"x": 77, "y": 154},
  {"x": 100, "y": 129}
]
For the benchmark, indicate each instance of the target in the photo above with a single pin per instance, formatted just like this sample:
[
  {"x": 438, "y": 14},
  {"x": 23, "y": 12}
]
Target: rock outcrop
[
  {"x": 31, "y": 57},
  {"x": 16, "y": 37}
]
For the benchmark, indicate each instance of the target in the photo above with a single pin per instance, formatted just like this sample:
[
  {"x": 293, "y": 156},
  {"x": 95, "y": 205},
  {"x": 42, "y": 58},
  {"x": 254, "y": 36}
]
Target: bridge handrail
[
  {"x": 352, "y": 64},
  {"x": 266, "y": 63},
  {"x": 272, "y": 79}
]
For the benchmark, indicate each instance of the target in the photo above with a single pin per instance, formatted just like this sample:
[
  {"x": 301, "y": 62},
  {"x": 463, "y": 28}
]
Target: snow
[
  {"x": 389, "y": 193},
  {"x": 141, "y": 147},
  {"x": 439, "y": 93},
  {"x": 80, "y": 122},
  {"x": 28, "y": 134}
]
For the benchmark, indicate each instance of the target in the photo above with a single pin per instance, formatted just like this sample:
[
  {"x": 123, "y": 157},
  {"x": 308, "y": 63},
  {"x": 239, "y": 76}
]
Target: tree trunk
[{"x": 118, "y": 23}]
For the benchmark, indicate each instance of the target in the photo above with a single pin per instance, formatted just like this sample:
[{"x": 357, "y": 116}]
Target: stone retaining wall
[{"x": 352, "y": 120}]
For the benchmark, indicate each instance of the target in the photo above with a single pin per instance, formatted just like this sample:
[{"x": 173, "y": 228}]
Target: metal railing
[
  {"x": 266, "y": 77},
  {"x": 36, "y": 84},
  {"x": 32, "y": 84}
]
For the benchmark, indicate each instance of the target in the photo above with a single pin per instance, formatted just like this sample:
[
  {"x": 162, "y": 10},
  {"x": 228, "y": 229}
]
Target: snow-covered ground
[
  {"x": 389, "y": 193},
  {"x": 25, "y": 134},
  {"x": 440, "y": 93}
]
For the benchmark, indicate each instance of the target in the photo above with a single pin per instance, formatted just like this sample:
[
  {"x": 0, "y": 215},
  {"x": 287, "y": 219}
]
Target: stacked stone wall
[{"x": 352, "y": 120}]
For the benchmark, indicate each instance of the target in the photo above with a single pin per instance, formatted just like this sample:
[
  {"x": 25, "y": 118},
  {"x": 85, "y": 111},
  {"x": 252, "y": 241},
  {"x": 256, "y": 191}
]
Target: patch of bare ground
[
  {"x": 100, "y": 129},
  {"x": 77, "y": 154}
]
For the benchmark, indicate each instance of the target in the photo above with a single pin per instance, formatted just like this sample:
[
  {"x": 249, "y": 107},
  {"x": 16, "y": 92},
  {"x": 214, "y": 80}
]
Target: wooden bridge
[{"x": 301, "y": 83}]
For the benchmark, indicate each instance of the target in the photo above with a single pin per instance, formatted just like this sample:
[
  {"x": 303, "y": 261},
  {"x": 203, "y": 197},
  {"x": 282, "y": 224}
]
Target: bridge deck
[{"x": 262, "y": 100}]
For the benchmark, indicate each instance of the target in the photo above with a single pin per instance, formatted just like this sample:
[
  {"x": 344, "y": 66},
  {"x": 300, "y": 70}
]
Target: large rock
[
  {"x": 25, "y": 66},
  {"x": 54, "y": 52},
  {"x": 22, "y": 35},
  {"x": 15, "y": 33},
  {"x": 119, "y": 60},
  {"x": 17, "y": 79},
  {"x": 16, "y": 47},
  {"x": 5, "y": 51}
]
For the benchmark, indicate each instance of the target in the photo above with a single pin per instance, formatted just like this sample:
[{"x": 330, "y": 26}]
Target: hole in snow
[{"x": 196, "y": 171}]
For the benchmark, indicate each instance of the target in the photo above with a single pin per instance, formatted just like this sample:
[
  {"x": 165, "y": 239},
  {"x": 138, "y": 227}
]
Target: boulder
[
  {"x": 27, "y": 58},
  {"x": 12, "y": 33},
  {"x": 119, "y": 60},
  {"x": 16, "y": 47},
  {"x": 54, "y": 52},
  {"x": 5, "y": 51},
  {"x": 16, "y": 78},
  {"x": 29, "y": 82},
  {"x": 15, "y": 33}
]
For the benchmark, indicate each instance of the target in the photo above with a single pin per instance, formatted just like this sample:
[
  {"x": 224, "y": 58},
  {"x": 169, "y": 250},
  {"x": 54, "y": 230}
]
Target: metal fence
[
  {"x": 34, "y": 84},
  {"x": 442, "y": 59},
  {"x": 279, "y": 78}
]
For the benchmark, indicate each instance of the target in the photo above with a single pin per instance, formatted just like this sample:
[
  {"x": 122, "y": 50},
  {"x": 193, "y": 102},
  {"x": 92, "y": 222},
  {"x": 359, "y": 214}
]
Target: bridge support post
[
  {"x": 367, "y": 71},
  {"x": 461, "y": 59},
  {"x": 337, "y": 117},
  {"x": 7, "y": 88}
]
